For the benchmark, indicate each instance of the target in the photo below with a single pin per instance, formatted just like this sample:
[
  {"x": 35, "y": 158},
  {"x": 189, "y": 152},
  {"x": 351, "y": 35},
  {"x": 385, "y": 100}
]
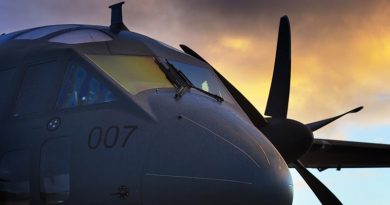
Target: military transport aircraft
[{"x": 103, "y": 115}]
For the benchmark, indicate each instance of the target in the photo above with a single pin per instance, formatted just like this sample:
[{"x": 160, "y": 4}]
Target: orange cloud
[{"x": 241, "y": 44}]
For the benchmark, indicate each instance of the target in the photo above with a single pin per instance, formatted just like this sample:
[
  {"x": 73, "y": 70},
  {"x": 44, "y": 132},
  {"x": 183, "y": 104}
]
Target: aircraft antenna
[{"x": 117, "y": 24}]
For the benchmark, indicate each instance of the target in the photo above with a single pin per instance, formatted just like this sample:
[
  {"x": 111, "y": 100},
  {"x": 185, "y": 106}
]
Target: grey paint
[{"x": 211, "y": 150}]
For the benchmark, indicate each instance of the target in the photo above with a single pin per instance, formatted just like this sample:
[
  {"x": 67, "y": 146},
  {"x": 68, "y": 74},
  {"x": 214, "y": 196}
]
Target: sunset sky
[{"x": 340, "y": 60}]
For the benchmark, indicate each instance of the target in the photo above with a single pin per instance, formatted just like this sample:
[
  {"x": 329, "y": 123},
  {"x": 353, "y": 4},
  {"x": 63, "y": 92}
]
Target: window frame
[
  {"x": 220, "y": 84},
  {"x": 36, "y": 36},
  {"x": 67, "y": 31},
  {"x": 121, "y": 90},
  {"x": 94, "y": 72},
  {"x": 22, "y": 73},
  {"x": 12, "y": 94}
]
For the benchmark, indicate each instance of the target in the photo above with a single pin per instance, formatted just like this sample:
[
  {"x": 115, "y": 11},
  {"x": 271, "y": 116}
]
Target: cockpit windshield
[
  {"x": 138, "y": 73},
  {"x": 133, "y": 73},
  {"x": 203, "y": 78}
]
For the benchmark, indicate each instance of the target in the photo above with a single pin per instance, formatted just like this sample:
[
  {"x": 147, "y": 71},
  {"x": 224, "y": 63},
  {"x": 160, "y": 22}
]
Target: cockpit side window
[
  {"x": 38, "y": 88},
  {"x": 203, "y": 78},
  {"x": 7, "y": 78},
  {"x": 43, "y": 31},
  {"x": 81, "y": 88},
  {"x": 81, "y": 36}
]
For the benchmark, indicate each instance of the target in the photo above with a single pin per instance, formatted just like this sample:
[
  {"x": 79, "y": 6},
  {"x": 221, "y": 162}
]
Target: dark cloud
[
  {"x": 249, "y": 15},
  {"x": 19, "y": 14},
  {"x": 325, "y": 38},
  {"x": 199, "y": 17}
]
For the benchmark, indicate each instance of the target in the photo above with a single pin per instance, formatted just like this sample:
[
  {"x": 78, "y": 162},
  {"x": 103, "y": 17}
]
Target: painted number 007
[{"x": 109, "y": 137}]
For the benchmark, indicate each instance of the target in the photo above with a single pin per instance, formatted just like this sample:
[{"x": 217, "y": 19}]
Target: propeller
[
  {"x": 281, "y": 131},
  {"x": 250, "y": 110},
  {"x": 321, "y": 191},
  {"x": 317, "y": 125},
  {"x": 277, "y": 104},
  {"x": 292, "y": 138}
]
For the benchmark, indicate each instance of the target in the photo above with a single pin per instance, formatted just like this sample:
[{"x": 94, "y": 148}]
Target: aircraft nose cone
[
  {"x": 204, "y": 153},
  {"x": 273, "y": 186}
]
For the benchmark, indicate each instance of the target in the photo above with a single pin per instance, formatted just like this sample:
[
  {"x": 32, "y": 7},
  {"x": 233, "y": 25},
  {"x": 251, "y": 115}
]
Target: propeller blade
[
  {"x": 317, "y": 125},
  {"x": 254, "y": 115},
  {"x": 319, "y": 189},
  {"x": 192, "y": 53},
  {"x": 277, "y": 104}
]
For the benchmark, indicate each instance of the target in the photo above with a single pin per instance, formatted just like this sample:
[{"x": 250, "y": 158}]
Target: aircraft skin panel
[
  {"x": 108, "y": 152},
  {"x": 326, "y": 153},
  {"x": 228, "y": 155}
]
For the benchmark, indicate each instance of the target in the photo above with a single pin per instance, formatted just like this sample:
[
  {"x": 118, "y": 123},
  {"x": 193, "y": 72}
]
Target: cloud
[{"x": 340, "y": 49}]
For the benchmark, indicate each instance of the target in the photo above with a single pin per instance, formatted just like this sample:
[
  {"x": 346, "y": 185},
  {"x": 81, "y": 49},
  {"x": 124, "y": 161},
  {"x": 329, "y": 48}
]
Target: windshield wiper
[
  {"x": 180, "y": 81},
  {"x": 190, "y": 85},
  {"x": 176, "y": 80}
]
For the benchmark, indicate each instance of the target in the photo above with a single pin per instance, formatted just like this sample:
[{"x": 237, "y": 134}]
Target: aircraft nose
[
  {"x": 197, "y": 158},
  {"x": 274, "y": 185}
]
